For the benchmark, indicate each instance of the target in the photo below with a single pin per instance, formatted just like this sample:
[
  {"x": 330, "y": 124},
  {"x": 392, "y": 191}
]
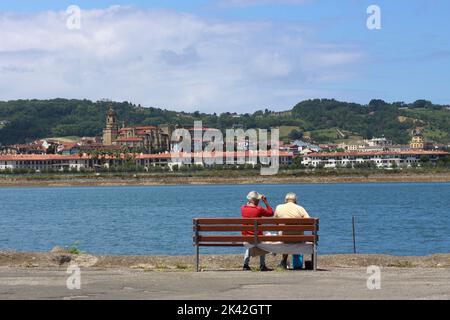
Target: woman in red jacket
[{"x": 252, "y": 210}]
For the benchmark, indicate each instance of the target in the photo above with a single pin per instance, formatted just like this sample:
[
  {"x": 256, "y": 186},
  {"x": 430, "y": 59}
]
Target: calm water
[{"x": 399, "y": 219}]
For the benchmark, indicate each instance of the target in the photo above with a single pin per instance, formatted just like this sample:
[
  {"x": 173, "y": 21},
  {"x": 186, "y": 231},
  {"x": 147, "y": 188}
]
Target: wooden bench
[{"x": 204, "y": 227}]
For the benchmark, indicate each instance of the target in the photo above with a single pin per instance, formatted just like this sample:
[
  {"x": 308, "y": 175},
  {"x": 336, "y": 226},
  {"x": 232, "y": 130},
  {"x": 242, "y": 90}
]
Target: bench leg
[
  {"x": 197, "y": 258},
  {"x": 314, "y": 258}
]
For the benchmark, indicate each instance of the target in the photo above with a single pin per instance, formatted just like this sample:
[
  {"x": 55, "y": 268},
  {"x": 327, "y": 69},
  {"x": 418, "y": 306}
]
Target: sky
[{"x": 225, "y": 55}]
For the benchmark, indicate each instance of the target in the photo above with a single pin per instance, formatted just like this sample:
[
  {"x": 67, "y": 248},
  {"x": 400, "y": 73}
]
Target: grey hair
[{"x": 290, "y": 197}]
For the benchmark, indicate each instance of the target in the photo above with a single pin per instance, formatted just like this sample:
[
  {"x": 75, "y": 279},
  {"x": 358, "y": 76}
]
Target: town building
[
  {"x": 417, "y": 142},
  {"x": 305, "y": 145},
  {"x": 41, "y": 162},
  {"x": 378, "y": 142},
  {"x": 382, "y": 159},
  {"x": 328, "y": 146},
  {"x": 58, "y": 162},
  {"x": 368, "y": 145},
  {"x": 148, "y": 139},
  {"x": 4, "y": 150},
  {"x": 111, "y": 131},
  {"x": 32, "y": 148},
  {"x": 382, "y": 144}
]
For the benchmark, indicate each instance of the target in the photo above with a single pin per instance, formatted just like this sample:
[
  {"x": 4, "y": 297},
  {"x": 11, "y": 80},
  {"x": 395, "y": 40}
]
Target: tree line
[{"x": 28, "y": 120}]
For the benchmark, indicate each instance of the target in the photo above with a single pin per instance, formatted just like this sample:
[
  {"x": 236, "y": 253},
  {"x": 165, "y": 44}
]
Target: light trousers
[{"x": 262, "y": 259}]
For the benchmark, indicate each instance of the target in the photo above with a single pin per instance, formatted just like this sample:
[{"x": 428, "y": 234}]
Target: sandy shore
[
  {"x": 208, "y": 262},
  {"x": 145, "y": 180}
]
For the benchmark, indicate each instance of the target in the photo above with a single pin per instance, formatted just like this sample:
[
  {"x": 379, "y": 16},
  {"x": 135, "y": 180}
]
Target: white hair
[
  {"x": 253, "y": 195},
  {"x": 290, "y": 197}
]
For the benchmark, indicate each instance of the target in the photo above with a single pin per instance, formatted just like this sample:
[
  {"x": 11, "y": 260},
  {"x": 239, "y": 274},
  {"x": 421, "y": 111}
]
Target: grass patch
[
  {"x": 286, "y": 130},
  {"x": 183, "y": 267},
  {"x": 402, "y": 264},
  {"x": 66, "y": 139},
  {"x": 73, "y": 248},
  {"x": 334, "y": 135}
]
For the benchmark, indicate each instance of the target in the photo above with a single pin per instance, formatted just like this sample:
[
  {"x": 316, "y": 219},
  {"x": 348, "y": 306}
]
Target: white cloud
[
  {"x": 330, "y": 59},
  {"x": 164, "y": 58}
]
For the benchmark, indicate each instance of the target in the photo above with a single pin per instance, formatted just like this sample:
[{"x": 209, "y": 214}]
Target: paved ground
[{"x": 337, "y": 283}]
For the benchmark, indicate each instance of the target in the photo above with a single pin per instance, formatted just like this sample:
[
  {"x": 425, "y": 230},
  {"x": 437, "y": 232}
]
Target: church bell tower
[{"x": 111, "y": 130}]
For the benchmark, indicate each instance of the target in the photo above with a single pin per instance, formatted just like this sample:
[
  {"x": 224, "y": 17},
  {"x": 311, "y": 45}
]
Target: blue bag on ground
[{"x": 297, "y": 261}]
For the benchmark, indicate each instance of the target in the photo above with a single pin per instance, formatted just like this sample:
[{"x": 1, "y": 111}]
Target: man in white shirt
[{"x": 290, "y": 209}]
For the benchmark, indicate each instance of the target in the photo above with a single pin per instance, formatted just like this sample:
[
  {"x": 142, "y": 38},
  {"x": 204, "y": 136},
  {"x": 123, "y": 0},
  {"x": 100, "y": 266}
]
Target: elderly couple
[{"x": 290, "y": 209}]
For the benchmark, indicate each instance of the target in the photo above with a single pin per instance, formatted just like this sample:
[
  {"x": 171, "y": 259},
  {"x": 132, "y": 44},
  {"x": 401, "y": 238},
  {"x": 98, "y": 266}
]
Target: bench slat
[
  {"x": 251, "y": 239},
  {"x": 216, "y": 228},
  {"x": 221, "y": 244},
  {"x": 261, "y": 221}
]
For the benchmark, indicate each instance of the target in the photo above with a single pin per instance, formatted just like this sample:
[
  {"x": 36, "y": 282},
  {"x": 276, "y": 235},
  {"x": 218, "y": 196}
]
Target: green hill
[{"x": 323, "y": 120}]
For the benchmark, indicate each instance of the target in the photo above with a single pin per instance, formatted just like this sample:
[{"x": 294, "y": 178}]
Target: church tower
[{"x": 111, "y": 130}]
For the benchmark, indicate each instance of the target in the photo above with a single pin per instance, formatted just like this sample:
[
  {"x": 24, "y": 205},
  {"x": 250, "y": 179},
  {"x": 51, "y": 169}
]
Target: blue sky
[{"x": 226, "y": 55}]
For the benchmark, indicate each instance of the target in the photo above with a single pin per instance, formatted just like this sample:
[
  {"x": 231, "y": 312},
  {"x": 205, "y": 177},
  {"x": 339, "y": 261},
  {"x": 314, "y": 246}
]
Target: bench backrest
[{"x": 204, "y": 227}]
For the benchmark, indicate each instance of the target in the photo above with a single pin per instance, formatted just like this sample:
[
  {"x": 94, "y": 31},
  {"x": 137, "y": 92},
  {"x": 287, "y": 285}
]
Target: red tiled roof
[
  {"x": 42, "y": 157},
  {"x": 155, "y": 156},
  {"x": 213, "y": 154},
  {"x": 69, "y": 145},
  {"x": 139, "y": 128},
  {"x": 129, "y": 140},
  {"x": 26, "y": 146},
  {"x": 146, "y": 127}
]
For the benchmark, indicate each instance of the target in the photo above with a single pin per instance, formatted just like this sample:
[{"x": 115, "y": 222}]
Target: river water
[{"x": 393, "y": 218}]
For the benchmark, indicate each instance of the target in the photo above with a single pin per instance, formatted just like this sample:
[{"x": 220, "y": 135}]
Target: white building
[
  {"x": 43, "y": 161},
  {"x": 374, "y": 142},
  {"x": 383, "y": 159}
]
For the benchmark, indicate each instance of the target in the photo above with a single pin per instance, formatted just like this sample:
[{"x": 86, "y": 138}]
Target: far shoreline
[{"x": 233, "y": 179}]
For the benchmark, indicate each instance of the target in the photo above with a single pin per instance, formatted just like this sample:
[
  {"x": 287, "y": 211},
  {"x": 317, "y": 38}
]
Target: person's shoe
[
  {"x": 264, "y": 269},
  {"x": 246, "y": 267},
  {"x": 283, "y": 265}
]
